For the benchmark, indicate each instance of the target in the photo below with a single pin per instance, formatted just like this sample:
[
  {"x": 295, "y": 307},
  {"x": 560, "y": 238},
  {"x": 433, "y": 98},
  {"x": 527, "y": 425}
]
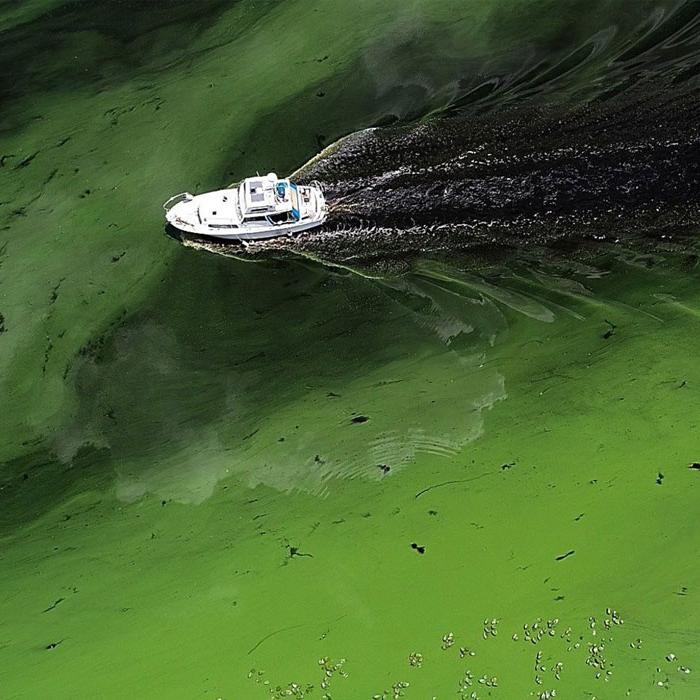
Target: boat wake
[
  {"x": 516, "y": 168},
  {"x": 536, "y": 177}
]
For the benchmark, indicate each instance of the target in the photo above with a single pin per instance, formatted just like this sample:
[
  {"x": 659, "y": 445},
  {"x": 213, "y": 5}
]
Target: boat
[{"x": 259, "y": 207}]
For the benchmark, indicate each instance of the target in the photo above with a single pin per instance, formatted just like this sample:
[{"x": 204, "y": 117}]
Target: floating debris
[
  {"x": 415, "y": 659},
  {"x": 464, "y": 686},
  {"x": 490, "y": 628},
  {"x": 489, "y": 682},
  {"x": 546, "y": 667},
  {"x": 447, "y": 640},
  {"x": 398, "y": 688},
  {"x": 54, "y": 605},
  {"x": 330, "y": 669},
  {"x": 397, "y": 691},
  {"x": 611, "y": 330},
  {"x": 596, "y": 659},
  {"x": 538, "y": 629},
  {"x": 293, "y": 690}
]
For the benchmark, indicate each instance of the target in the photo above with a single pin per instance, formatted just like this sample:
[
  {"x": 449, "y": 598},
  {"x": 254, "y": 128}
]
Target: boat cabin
[{"x": 268, "y": 199}]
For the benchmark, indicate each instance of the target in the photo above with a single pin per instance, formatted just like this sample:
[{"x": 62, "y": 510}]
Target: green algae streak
[{"x": 215, "y": 474}]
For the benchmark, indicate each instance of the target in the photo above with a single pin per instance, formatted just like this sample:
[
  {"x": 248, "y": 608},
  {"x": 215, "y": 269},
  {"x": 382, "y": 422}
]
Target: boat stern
[{"x": 313, "y": 205}]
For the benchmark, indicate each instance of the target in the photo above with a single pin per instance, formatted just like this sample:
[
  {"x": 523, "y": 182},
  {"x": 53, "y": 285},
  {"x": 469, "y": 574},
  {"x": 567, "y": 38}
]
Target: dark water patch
[
  {"x": 26, "y": 161},
  {"x": 39, "y": 480},
  {"x": 611, "y": 330},
  {"x": 54, "y": 605},
  {"x": 602, "y": 172},
  {"x": 451, "y": 482},
  {"x": 206, "y": 359},
  {"x": 272, "y": 634},
  {"x": 50, "y": 177},
  {"x": 102, "y": 43},
  {"x": 673, "y": 31}
]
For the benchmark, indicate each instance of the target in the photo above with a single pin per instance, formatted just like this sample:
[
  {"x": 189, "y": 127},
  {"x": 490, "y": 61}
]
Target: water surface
[{"x": 215, "y": 473}]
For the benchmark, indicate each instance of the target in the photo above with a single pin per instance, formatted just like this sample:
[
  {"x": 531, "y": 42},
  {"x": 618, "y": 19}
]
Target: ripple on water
[{"x": 308, "y": 440}]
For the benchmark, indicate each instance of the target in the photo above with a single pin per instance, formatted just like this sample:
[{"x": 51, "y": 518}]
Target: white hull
[
  {"x": 244, "y": 235},
  {"x": 256, "y": 209}
]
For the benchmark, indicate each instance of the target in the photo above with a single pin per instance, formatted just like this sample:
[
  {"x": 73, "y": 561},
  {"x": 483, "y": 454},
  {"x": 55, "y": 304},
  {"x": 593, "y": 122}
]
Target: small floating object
[
  {"x": 415, "y": 659},
  {"x": 448, "y": 640},
  {"x": 258, "y": 207}
]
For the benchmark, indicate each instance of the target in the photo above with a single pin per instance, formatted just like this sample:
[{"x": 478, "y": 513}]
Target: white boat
[{"x": 264, "y": 206}]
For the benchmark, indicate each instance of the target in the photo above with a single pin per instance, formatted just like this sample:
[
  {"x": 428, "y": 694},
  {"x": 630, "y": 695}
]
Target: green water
[{"x": 213, "y": 472}]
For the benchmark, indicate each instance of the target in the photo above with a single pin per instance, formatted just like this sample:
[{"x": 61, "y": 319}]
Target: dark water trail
[
  {"x": 545, "y": 176},
  {"x": 602, "y": 145},
  {"x": 607, "y": 171}
]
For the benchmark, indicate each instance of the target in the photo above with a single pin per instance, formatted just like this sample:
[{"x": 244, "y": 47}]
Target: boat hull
[
  {"x": 227, "y": 214},
  {"x": 242, "y": 235}
]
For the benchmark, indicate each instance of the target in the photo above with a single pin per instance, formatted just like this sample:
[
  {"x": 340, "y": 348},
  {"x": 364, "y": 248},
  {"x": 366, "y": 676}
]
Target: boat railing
[{"x": 182, "y": 197}]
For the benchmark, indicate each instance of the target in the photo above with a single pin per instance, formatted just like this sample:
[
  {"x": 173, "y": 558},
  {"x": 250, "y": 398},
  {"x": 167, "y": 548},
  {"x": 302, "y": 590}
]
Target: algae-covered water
[{"x": 471, "y": 475}]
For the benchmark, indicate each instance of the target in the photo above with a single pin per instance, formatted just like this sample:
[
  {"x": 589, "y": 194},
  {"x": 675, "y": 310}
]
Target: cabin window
[{"x": 280, "y": 218}]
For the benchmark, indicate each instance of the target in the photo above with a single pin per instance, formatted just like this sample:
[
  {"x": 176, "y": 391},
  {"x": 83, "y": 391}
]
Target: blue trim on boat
[{"x": 295, "y": 212}]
